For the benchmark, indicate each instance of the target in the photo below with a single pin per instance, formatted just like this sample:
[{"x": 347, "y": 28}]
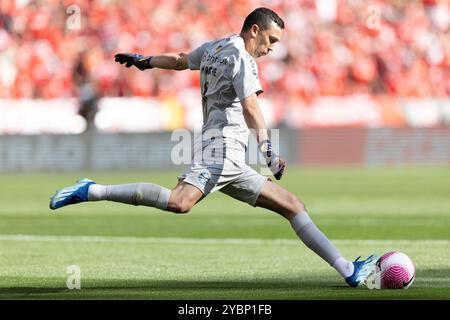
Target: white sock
[
  {"x": 96, "y": 192},
  {"x": 144, "y": 194},
  {"x": 344, "y": 267},
  {"x": 314, "y": 239}
]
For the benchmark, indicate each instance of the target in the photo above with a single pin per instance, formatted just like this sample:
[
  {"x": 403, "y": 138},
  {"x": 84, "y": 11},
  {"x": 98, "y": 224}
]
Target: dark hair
[{"x": 262, "y": 17}]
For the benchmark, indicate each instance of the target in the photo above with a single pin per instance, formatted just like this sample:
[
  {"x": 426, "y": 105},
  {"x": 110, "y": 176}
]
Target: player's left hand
[
  {"x": 134, "y": 59},
  {"x": 276, "y": 164}
]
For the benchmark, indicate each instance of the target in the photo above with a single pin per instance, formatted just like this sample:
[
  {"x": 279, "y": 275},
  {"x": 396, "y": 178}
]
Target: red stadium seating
[{"x": 406, "y": 54}]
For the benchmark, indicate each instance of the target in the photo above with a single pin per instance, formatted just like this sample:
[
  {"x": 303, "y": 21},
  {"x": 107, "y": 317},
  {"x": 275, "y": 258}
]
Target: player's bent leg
[
  {"x": 180, "y": 199},
  {"x": 278, "y": 199},
  {"x": 183, "y": 197}
]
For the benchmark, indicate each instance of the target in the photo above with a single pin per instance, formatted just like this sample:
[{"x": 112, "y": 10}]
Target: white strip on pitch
[{"x": 56, "y": 238}]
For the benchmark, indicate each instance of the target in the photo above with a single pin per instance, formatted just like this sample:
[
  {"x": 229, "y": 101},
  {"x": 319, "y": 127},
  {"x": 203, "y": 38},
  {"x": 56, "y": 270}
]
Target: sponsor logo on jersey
[{"x": 211, "y": 58}]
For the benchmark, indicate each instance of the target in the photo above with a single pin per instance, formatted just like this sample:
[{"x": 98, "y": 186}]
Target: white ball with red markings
[{"x": 397, "y": 271}]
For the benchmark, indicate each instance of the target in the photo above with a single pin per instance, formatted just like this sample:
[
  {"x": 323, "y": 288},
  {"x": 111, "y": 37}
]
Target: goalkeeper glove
[
  {"x": 274, "y": 162},
  {"x": 134, "y": 59}
]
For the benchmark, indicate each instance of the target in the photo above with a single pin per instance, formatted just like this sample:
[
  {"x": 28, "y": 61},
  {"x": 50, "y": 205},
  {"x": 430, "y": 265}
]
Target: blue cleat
[
  {"x": 71, "y": 195},
  {"x": 363, "y": 269}
]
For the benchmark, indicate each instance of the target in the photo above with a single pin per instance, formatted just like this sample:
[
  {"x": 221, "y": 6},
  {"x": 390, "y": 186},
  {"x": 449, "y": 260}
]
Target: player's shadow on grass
[
  {"x": 169, "y": 285},
  {"x": 130, "y": 286},
  {"x": 215, "y": 284},
  {"x": 4, "y": 291}
]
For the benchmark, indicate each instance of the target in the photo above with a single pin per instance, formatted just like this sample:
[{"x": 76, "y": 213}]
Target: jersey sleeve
[
  {"x": 195, "y": 57},
  {"x": 245, "y": 78}
]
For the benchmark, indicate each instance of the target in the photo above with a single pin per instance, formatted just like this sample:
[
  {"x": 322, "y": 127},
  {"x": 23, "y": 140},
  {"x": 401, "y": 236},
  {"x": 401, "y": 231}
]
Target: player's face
[{"x": 266, "y": 39}]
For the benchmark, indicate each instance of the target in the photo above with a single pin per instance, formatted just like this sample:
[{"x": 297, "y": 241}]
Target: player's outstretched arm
[
  {"x": 170, "y": 61},
  {"x": 255, "y": 120}
]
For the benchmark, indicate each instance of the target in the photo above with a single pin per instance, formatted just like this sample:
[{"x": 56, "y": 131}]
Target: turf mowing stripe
[{"x": 20, "y": 237}]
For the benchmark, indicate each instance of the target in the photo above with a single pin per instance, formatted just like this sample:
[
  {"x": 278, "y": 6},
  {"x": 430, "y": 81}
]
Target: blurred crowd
[{"x": 65, "y": 48}]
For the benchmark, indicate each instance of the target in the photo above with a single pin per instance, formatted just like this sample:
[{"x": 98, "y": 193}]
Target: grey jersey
[{"x": 228, "y": 74}]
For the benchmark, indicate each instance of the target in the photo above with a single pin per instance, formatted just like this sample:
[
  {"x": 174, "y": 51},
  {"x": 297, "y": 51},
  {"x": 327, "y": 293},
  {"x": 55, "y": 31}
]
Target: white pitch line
[{"x": 108, "y": 239}]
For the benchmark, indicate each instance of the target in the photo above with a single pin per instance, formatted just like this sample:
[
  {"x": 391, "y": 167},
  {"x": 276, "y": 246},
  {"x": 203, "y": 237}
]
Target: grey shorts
[{"x": 230, "y": 176}]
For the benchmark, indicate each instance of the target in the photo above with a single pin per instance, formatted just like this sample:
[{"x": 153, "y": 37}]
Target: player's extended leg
[
  {"x": 278, "y": 199},
  {"x": 180, "y": 200}
]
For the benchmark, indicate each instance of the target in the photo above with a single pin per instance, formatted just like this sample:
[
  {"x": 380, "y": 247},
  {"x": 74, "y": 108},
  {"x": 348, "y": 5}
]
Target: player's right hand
[{"x": 134, "y": 59}]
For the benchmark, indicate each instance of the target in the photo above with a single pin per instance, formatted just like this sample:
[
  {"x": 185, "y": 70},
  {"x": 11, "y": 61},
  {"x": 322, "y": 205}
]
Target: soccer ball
[{"x": 396, "y": 271}]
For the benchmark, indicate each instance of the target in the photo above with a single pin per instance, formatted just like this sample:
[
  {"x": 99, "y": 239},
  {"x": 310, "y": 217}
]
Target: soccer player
[{"x": 229, "y": 89}]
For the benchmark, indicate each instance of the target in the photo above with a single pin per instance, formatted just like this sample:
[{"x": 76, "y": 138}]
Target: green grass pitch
[{"x": 222, "y": 249}]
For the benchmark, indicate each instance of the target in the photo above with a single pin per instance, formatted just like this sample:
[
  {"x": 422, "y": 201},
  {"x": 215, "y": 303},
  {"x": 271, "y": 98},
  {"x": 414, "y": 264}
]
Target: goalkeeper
[{"x": 229, "y": 89}]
